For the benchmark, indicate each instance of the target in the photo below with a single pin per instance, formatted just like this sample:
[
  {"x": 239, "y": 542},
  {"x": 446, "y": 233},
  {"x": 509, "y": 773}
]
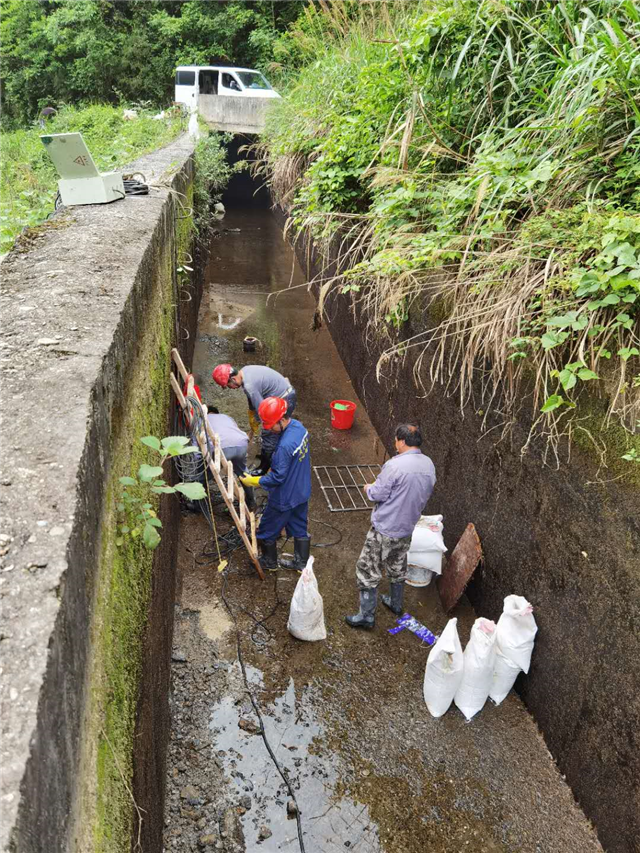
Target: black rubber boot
[
  {"x": 394, "y": 600},
  {"x": 269, "y": 555},
  {"x": 264, "y": 465},
  {"x": 301, "y": 549},
  {"x": 365, "y": 618}
]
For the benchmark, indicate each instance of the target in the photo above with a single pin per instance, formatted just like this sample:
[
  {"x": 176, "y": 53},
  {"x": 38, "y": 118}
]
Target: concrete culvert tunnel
[{"x": 232, "y": 734}]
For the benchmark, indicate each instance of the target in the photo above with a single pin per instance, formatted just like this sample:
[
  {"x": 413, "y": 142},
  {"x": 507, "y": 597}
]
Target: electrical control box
[{"x": 80, "y": 182}]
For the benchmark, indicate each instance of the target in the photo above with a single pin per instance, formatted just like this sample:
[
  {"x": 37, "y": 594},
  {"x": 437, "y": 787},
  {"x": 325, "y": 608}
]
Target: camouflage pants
[{"x": 382, "y": 552}]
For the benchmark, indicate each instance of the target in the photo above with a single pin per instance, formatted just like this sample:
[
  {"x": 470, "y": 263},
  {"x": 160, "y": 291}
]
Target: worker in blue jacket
[{"x": 288, "y": 485}]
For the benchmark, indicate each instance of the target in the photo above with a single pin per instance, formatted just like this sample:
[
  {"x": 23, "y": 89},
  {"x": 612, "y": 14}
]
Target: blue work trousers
[
  {"x": 269, "y": 438},
  {"x": 294, "y": 521}
]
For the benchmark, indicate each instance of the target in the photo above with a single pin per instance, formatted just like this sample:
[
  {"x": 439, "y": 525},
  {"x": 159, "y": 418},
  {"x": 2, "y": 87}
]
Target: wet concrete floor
[{"x": 345, "y": 718}]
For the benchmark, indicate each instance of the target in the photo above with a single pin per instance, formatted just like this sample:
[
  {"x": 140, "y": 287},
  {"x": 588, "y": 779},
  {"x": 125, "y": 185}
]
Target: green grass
[{"x": 28, "y": 184}]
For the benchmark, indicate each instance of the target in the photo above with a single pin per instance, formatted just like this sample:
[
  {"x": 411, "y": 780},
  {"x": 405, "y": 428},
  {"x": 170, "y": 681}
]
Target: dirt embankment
[{"x": 567, "y": 539}]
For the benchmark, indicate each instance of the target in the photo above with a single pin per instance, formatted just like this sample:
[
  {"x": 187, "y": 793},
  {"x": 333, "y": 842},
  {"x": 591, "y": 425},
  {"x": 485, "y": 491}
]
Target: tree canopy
[{"x": 57, "y": 51}]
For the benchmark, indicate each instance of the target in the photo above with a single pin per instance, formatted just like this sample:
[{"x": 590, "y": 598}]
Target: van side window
[
  {"x": 229, "y": 82},
  {"x": 185, "y": 78}
]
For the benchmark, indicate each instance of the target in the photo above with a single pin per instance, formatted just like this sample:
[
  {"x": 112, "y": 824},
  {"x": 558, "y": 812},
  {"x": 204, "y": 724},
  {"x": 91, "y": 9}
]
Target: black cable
[
  {"x": 133, "y": 187},
  {"x": 326, "y": 544},
  {"x": 256, "y": 708},
  {"x": 135, "y": 184}
]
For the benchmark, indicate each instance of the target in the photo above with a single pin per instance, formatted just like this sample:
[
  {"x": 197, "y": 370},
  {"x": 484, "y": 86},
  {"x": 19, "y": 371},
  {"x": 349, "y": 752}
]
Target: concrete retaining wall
[
  {"x": 91, "y": 308},
  {"x": 568, "y": 540},
  {"x": 234, "y": 115}
]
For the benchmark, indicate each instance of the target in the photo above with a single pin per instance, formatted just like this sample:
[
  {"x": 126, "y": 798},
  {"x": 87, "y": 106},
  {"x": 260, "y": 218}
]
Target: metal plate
[
  {"x": 459, "y": 568},
  {"x": 342, "y": 485}
]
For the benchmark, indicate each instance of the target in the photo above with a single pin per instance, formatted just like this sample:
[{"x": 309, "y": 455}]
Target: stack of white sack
[
  {"x": 444, "y": 671},
  {"x": 515, "y": 636},
  {"x": 479, "y": 664},
  {"x": 306, "y": 614},
  {"x": 426, "y": 550}
]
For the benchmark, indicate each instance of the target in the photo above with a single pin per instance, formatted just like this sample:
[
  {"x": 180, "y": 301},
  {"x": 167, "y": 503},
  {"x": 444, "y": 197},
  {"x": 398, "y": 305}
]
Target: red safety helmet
[
  {"x": 221, "y": 374},
  {"x": 271, "y": 411}
]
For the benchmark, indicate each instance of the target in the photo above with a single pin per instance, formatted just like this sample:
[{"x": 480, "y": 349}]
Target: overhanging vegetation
[{"x": 486, "y": 157}]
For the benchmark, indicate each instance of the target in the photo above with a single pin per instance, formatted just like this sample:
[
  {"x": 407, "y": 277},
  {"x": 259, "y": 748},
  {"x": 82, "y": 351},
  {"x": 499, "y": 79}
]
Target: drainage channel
[{"x": 344, "y": 718}]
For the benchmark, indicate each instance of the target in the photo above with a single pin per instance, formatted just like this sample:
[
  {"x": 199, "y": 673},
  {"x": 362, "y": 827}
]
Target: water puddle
[{"x": 330, "y": 820}]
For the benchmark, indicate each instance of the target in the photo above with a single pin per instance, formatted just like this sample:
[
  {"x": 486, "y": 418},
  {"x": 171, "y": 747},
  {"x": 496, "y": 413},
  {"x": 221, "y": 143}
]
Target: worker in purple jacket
[{"x": 401, "y": 490}]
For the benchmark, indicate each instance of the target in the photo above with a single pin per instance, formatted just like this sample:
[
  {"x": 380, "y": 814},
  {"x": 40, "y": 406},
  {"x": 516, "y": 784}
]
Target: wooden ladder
[{"x": 219, "y": 466}]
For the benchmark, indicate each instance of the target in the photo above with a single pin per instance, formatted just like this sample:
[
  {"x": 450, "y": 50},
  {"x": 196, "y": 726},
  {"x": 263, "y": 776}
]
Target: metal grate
[{"x": 342, "y": 485}]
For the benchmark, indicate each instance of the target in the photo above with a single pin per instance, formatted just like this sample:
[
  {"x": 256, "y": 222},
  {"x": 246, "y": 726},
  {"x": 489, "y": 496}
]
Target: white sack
[
  {"x": 504, "y": 675},
  {"x": 479, "y": 663},
  {"x": 427, "y": 545},
  {"x": 431, "y": 560},
  {"x": 444, "y": 670},
  {"x": 306, "y": 614},
  {"x": 516, "y": 631}
]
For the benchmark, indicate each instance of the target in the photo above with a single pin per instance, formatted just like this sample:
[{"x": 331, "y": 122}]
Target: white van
[{"x": 195, "y": 80}]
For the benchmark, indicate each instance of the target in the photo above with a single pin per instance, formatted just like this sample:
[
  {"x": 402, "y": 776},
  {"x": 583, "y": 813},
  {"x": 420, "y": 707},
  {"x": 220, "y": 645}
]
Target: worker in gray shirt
[
  {"x": 401, "y": 490},
  {"x": 234, "y": 443},
  {"x": 258, "y": 382}
]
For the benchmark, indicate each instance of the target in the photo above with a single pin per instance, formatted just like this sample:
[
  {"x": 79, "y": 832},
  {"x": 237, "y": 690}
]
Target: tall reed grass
[{"x": 484, "y": 158}]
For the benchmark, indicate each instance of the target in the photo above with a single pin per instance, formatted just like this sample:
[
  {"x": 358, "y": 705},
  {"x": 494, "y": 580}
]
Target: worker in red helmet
[
  {"x": 258, "y": 383},
  {"x": 288, "y": 485}
]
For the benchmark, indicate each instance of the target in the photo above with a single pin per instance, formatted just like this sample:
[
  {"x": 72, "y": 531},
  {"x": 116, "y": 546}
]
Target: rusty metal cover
[{"x": 460, "y": 566}]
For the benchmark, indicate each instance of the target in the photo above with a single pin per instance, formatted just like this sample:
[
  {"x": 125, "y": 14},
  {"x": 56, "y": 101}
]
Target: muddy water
[{"x": 345, "y": 718}]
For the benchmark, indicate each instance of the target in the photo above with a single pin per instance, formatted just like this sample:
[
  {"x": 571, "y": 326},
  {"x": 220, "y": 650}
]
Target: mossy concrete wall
[
  {"x": 92, "y": 305},
  {"x": 567, "y": 539}
]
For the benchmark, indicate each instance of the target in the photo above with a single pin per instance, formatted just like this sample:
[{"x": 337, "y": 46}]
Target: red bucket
[{"x": 342, "y": 418}]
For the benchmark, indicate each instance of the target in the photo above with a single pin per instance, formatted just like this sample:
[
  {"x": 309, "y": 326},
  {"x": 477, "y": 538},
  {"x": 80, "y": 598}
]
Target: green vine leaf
[
  {"x": 147, "y": 473},
  {"x": 626, "y": 352},
  {"x": 150, "y": 536},
  {"x": 151, "y": 441},
  {"x": 176, "y": 445},
  {"x": 586, "y": 375},
  {"x": 128, "y": 481},
  {"x": 193, "y": 491},
  {"x": 553, "y": 339},
  {"x": 563, "y": 320},
  {"x": 553, "y": 402},
  {"x": 567, "y": 379}
]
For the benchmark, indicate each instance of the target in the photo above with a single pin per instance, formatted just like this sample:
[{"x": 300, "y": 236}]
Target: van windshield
[{"x": 252, "y": 80}]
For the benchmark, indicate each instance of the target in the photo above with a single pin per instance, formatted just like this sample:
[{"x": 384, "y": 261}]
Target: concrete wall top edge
[{"x": 63, "y": 291}]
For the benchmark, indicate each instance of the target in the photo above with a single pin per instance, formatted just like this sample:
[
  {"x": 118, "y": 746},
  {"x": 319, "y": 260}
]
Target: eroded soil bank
[{"x": 345, "y": 718}]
